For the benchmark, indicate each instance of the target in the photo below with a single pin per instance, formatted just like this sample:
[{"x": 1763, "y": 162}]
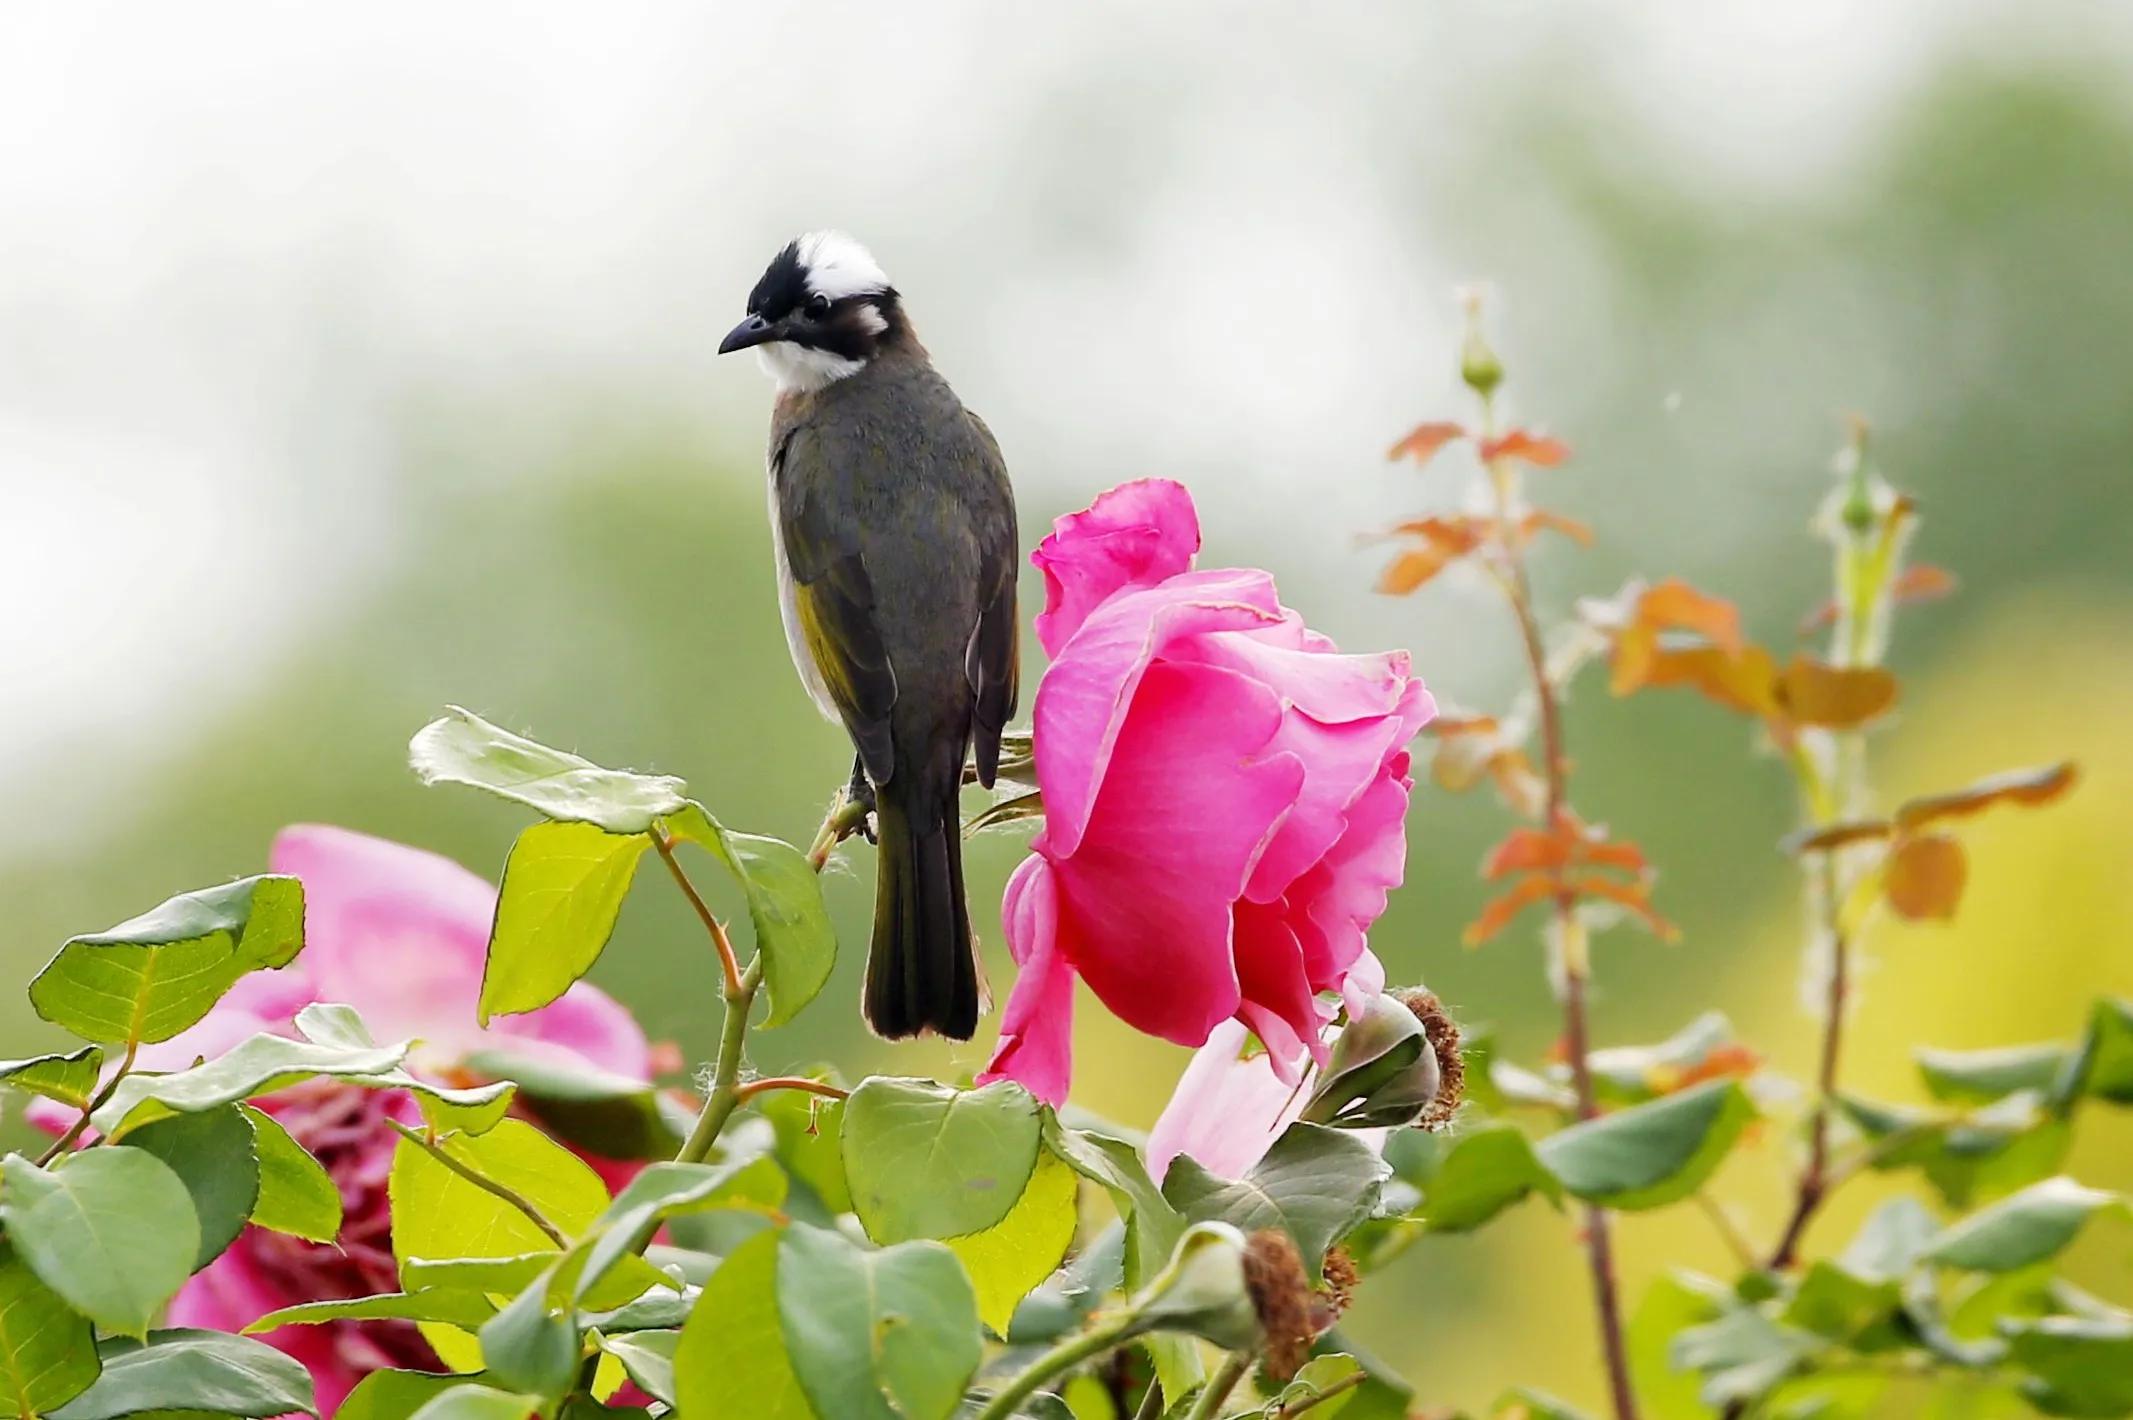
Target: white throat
[{"x": 800, "y": 370}]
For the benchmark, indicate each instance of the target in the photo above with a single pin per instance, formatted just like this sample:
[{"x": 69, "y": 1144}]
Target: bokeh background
[{"x": 355, "y": 363}]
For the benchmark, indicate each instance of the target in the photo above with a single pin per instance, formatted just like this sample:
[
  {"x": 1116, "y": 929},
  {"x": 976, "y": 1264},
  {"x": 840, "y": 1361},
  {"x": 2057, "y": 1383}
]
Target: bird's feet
[{"x": 849, "y": 813}]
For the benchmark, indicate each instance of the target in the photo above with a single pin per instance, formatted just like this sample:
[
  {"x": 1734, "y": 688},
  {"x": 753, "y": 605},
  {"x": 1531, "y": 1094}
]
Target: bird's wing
[
  {"x": 834, "y": 599},
  {"x": 991, "y": 661}
]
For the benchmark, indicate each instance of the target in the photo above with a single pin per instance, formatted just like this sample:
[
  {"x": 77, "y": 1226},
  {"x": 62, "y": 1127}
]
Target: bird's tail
[{"x": 922, "y": 971}]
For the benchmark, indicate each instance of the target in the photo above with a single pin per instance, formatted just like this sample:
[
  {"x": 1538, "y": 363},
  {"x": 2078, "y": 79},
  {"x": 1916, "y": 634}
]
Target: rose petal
[
  {"x": 396, "y": 932},
  {"x": 1037, "y": 1027},
  {"x": 1084, "y": 700},
  {"x": 1186, "y": 809},
  {"x": 1333, "y": 905},
  {"x": 1226, "y": 1112},
  {"x": 1278, "y": 1004},
  {"x": 1137, "y": 534}
]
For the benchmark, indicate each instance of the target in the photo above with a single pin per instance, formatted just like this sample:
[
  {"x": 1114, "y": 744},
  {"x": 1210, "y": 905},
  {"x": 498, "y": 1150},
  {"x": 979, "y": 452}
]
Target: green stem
[
  {"x": 96, "y": 1102},
  {"x": 1215, "y": 1394},
  {"x": 1311, "y": 1402},
  {"x": 1100, "y": 1337},
  {"x": 482, "y": 1181},
  {"x": 725, "y": 1095}
]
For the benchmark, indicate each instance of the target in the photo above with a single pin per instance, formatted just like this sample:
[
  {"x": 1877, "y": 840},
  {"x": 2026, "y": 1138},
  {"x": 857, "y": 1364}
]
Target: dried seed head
[
  {"x": 1444, "y": 1039},
  {"x": 1283, "y": 1298}
]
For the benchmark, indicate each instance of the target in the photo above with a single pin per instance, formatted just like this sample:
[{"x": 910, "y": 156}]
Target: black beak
[{"x": 752, "y": 331}]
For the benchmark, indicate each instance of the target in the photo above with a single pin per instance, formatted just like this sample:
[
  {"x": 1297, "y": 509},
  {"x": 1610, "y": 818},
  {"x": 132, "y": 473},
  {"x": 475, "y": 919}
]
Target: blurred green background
[{"x": 348, "y": 372}]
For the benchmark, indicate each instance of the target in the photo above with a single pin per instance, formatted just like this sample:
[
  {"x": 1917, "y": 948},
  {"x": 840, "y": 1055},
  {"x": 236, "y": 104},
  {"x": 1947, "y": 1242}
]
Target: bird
[{"x": 893, "y": 528}]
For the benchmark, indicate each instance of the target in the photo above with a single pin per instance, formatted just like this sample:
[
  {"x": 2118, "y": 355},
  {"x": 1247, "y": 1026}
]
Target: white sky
[{"x": 234, "y": 237}]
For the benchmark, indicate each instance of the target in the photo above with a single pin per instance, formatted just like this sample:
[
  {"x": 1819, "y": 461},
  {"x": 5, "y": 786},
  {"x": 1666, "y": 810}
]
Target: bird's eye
[{"x": 818, "y": 307}]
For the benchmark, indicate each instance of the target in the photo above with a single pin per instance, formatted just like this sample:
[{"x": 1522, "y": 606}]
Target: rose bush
[
  {"x": 1225, "y": 798},
  {"x": 399, "y": 934}
]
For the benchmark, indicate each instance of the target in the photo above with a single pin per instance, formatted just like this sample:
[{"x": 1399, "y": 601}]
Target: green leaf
[
  {"x": 112, "y": 1232},
  {"x": 149, "y": 978},
  {"x": 1529, "y": 1403},
  {"x": 193, "y": 1371},
  {"x": 1982, "y": 1076},
  {"x": 449, "y": 1305},
  {"x": 664, "y": 1191},
  {"x": 647, "y": 1357},
  {"x": 70, "y": 1078},
  {"x": 1482, "y": 1174},
  {"x": 887, "y": 1335},
  {"x": 1319, "y": 1375},
  {"x": 562, "y": 891},
  {"x": 1314, "y": 1184},
  {"x": 809, "y": 1130},
  {"x": 477, "y": 1402},
  {"x": 1153, "y": 1225},
  {"x": 2076, "y": 1365},
  {"x": 926, "y": 1160},
  {"x": 610, "y": 1115},
  {"x": 530, "y": 1345},
  {"x": 47, "y": 1351},
  {"x": 1632, "y": 1074},
  {"x": 732, "y": 1358},
  {"x": 1891, "y": 1241},
  {"x": 296, "y": 1195},
  {"x": 1650, "y": 1154},
  {"x": 2103, "y": 1066},
  {"x": 438, "y": 1214},
  {"x": 1834, "y": 1302},
  {"x": 266, "y": 1063},
  {"x": 784, "y": 893},
  {"x": 1675, "y": 1302},
  {"x": 395, "y": 1395},
  {"x": 2028, "y": 1227},
  {"x": 1741, "y": 1355},
  {"x": 214, "y": 1157},
  {"x": 462, "y": 748},
  {"x": 1012, "y": 1256},
  {"x": 1064, "y": 1301}
]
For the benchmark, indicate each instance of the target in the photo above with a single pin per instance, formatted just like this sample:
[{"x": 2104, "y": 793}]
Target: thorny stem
[
  {"x": 725, "y": 1095},
  {"x": 765, "y": 1085},
  {"x": 729, "y": 965},
  {"x": 96, "y": 1102},
  {"x": 1303, "y": 1404},
  {"x": 1216, "y": 1391},
  {"x": 482, "y": 1181},
  {"x": 846, "y": 817},
  {"x": 1866, "y": 557},
  {"x": 1100, "y": 1337},
  {"x": 1599, "y": 1242}
]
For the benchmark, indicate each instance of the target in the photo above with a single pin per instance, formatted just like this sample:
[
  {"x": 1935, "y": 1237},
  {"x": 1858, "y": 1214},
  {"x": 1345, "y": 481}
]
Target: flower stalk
[{"x": 1567, "y": 931}]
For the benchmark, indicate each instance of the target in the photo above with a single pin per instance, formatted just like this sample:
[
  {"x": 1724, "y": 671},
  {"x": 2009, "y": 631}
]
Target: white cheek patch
[
  {"x": 838, "y": 266},
  {"x": 795, "y": 367},
  {"x": 871, "y": 317}
]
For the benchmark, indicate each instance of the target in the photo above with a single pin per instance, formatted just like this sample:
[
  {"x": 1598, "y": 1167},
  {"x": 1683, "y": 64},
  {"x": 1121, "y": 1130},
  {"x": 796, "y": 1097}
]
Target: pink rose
[
  {"x": 1225, "y": 798},
  {"x": 400, "y": 935}
]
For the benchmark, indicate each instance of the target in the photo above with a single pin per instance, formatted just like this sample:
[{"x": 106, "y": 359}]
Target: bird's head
[{"x": 822, "y": 310}]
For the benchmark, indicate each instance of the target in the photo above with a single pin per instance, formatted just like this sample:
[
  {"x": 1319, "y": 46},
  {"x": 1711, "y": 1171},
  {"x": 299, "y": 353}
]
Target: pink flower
[
  {"x": 1229, "y": 1108},
  {"x": 1225, "y": 798},
  {"x": 400, "y": 935}
]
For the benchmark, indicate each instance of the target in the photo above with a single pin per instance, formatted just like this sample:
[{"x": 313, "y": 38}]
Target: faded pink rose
[
  {"x": 1225, "y": 798},
  {"x": 400, "y": 935},
  {"x": 1229, "y": 1107}
]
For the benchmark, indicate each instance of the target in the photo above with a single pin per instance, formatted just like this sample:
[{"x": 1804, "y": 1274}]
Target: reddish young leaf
[
  {"x": 1541, "y": 520},
  {"x": 1635, "y": 896},
  {"x": 1746, "y": 683},
  {"x": 1919, "y": 582},
  {"x": 1674, "y": 605},
  {"x": 1411, "y": 569},
  {"x": 2020, "y": 786},
  {"x": 1836, "y": 835},
  {"x": 1425, "y": 440},
  {"x": 1524, "y": 444},
  {"x": 1835, "y": 697},
  {"x": 1444, "y": 541},
  {"x": 1500, "y": 910},
  {"x": 1730, "y": 1061},
  {"x": 1924, "y": 876}
]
